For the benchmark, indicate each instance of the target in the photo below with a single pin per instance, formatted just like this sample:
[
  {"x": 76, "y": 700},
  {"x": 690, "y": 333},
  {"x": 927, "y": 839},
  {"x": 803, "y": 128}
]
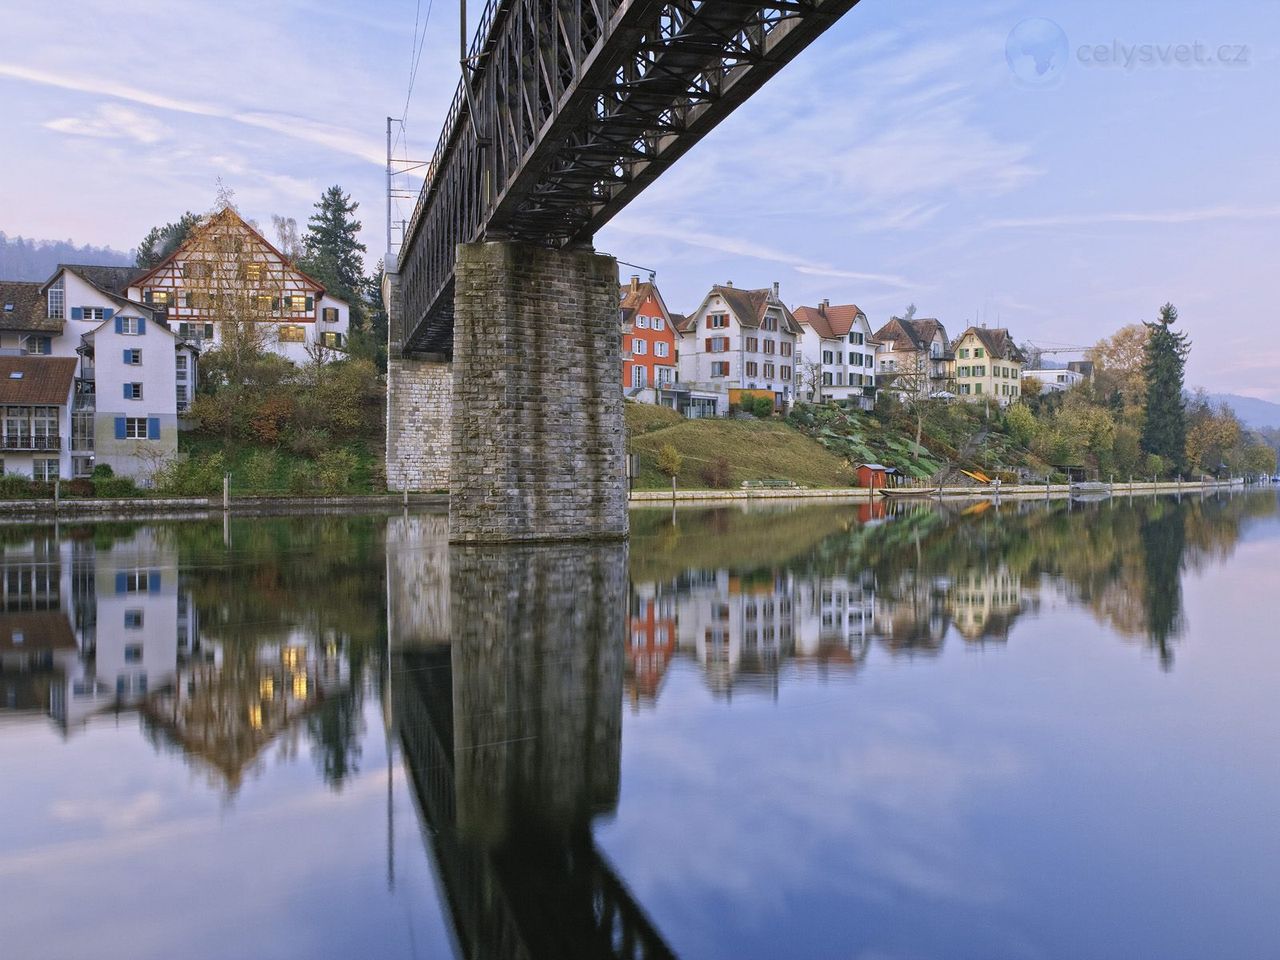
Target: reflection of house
[
  {"x": 984, "y": 603},
  {"x": 651, "y": 641},
  {"x": 230, "y": 702},
  {"x": 911, "y": 614},
  {"x": 835, "y": 621}
]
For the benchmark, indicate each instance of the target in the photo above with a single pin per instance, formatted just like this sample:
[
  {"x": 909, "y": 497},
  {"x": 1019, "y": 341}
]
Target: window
[
  {"x": 135, "y": 428},
  {"x": 855, "y": 338},
  {"x": 639, "y": 376},
  {"x": 130, "y": 326},
  {"x": 980, "y": 371},
  {"x": 298, "y": 303},
  {"x": 964, "y": 353},
  {"x": 770, "y": 348},
  {"x": 292, "y": 333},
  {"x": 329, "y": 314},
  {"x": 657, "y": 323},
  {"x": 252, "y": 271},
  {"x": 770, "y": 322},
  {"x": 195, "y": 269},
  {"x": 57, "y": 302},
  {"x": 42, "y": 469},
  {"x": 753, "y": 368},
  {"x": 182, "y": 397},
  {"x": 962, "y": 371},
  {"x": 264, "y": 303},
  {"x": 330, "y": 338},
  {"x": 133, "y": 358},
  {"x": 207, "y": 333},
  {"x": 642, "y": 323},
  {"x": 784, "y": 348},
  {"x": 157, "y": 298},
  {"x": 720, "y": 368},
  {"x": 977, "y": 388},
  {"x": 180, "y": 366},
  {"x": 717, "y": 344},
  {"x": 717, "y": 321},
  {"x": 638, "y": 346},
  {"x": 40, "y": 346},
  {"x": 661, "y": 349},
  {"x": 133, "y": 619},
  {"x": 133, "y": 652},
  {"x": 828, "y": 357},
  {"x": 753, "y": 344},
  {"x": 133, "y": 391},
  {"x": 826, "y": 379},
  {"x": 769, "y": 371},
  {"x": 979, "y": 352}
]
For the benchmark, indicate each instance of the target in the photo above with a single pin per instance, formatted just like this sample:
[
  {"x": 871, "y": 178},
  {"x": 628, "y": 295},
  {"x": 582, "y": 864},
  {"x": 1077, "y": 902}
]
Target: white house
[
  {"x": 836, "y": 355},
  {"x": 914, "y": 357},
  {"x": 228, "y": 272},
  {"x": 35, "y": 406},
  {"x": 742, "y": 342},
  {"x": 1055, "y": 381}
]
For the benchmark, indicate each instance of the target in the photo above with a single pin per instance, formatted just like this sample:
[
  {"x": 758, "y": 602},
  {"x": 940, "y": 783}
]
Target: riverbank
[
  {"x": 158, "y": 508},
  {"x": 865, "y": 494}
]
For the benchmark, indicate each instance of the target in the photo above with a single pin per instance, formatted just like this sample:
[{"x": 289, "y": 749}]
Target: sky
[{"x": 900, "y": 159}]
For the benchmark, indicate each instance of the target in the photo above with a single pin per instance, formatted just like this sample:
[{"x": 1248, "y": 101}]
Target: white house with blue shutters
[{"x": 143, "y": 377}]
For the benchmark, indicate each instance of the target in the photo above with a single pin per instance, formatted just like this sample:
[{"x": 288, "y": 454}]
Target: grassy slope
[{"x": 367, "y": 453}]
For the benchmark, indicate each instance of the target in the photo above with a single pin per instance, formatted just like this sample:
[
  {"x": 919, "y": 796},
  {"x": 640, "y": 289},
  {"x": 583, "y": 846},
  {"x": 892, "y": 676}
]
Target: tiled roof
[
  {"x": 830, "y": 321},
  {"x": 749, "y": 306},
  {"x": 39, "y": 630},
  {"x": 28, "y": 313},
  {"x": 918, "y": 333},
  {"x": 113, "y": 280},
  {"x": 998, "y": 342},
  {"x": 633, "y": 297},
  {"x": 36, "y": 380}
]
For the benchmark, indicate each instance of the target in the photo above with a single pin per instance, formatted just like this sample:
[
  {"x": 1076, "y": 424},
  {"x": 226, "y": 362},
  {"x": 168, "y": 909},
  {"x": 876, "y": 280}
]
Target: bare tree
[{"x": 809, "y": 379}]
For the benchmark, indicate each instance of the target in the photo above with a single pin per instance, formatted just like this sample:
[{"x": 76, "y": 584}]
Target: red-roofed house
[
  {"x": 836, "y": 356},
  {"x": 648, "y": 343}
]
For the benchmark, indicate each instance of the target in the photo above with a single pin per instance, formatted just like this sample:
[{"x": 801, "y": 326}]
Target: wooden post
[
  {"x": 57, "y": 493},
  {"x": 226, "y": 491}
]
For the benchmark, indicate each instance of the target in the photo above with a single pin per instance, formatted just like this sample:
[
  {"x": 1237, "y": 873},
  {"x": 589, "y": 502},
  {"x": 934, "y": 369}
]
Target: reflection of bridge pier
[{"x": 511, "y": 736}]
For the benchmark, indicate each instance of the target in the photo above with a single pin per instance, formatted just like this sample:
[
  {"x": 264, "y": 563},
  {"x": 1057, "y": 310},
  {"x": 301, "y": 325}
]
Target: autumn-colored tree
[
  {"x": 1118, "y": 364},
  {"x": 669, "y": 463}
]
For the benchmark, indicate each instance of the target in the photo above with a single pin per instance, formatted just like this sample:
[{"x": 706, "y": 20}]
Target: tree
[
  {"x": 911, "y": 379},
  {"x": 809, "y": 379},
  {"x": 334, "y": 253},
  {"x": 669, "y": 463},
  {"x": 910, "y": 312},
  {"x": 287, "y": 241},
  {"x": 1118, "y": 362},
  {"x": 162, "y": 241},
  {"x": 1164, "y": 432}
]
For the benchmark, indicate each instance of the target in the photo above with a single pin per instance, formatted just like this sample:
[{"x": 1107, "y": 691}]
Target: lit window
[
  {"x": 264, "y": 303},
  {"x": 293, "y": 334},
  {"x": 158, "y": 298},
  {"x": 253, "y": 271},
  {"x": 329, "y": 314},
  {"x": 332, "y": 339}
]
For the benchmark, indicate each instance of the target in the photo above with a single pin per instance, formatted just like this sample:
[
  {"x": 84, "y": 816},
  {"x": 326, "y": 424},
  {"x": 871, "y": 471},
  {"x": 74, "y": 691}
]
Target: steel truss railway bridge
[{"x": 504, "y": 376}]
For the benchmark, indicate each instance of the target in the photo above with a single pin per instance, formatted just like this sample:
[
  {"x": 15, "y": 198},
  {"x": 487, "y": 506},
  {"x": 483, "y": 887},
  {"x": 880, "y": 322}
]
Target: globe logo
[{"x": 1037, "y": 52}]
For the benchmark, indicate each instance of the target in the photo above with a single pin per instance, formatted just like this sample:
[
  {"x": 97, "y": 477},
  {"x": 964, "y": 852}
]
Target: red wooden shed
[{"x": 872, "y": 475}]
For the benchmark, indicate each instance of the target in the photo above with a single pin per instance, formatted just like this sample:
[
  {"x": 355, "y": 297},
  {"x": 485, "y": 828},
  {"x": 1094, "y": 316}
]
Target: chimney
[
  {"x": 822, "y": 309},
  {"x": 775, "y": 289},
  {"x": 635, "y": 282},
  {"x": 729, "y": 284}
]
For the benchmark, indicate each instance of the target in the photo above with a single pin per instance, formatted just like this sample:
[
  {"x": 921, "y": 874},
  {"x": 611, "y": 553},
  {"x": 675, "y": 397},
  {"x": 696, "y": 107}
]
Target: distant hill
[
  {"x": 1251, "y": 411},
  {"x": 25, "y": 259}
]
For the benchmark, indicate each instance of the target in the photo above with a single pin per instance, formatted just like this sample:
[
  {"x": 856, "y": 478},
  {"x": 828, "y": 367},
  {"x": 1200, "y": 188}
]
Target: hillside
[
  {"x": 1252, "y": 412},
  {"x": 24, "y": 259}
]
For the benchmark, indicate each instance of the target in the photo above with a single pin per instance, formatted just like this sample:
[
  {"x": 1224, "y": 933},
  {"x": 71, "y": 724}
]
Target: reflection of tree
[{"x": 1163, "y": 541}]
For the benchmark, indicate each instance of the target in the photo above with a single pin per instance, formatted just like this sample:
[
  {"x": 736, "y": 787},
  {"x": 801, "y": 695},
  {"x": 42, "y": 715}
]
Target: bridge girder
[{"x": 567, "y": 110}]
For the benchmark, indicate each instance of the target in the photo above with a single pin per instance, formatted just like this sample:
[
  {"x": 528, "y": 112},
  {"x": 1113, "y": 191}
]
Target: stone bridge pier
[{"x": 525, "y": 426}]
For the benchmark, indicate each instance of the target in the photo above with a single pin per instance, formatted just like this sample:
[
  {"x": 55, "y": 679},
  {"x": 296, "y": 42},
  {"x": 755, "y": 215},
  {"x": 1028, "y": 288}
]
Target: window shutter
[
  {"x": 77, "y": 313},
  {"x": 153, "y": 428},
  {"x": 108, "y": 313},
  {"x": 311, "y": 304},
  {"x": 127, "y": 395},
  {"x": 146, "y": 296},
  {"x": 275, "y": 304},
  {"x": 153, "y": 581},
  {"x": 127, "y": 358},
  {"x": 119, "y": 428},
  {"x": 708, "y": 344},
  {"x": 121, "y": 583},
  {"x": 46, "y": 345},
  {"x": 119, "y": 324},
  {"x": 142, "y": 325}
]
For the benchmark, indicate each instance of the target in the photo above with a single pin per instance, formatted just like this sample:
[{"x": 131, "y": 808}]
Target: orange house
[{"x": 648, "y": 339}]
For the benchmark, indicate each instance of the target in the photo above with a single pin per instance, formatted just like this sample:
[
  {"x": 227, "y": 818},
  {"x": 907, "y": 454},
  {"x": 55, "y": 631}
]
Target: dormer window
[
  {"x": 8, "y": 307},
  {"x": 57, "y": 302}
]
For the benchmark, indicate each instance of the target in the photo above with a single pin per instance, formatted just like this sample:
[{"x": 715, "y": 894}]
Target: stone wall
[
  {"x": 538, "y": 438},
  {"x": 419, "y": 408}
]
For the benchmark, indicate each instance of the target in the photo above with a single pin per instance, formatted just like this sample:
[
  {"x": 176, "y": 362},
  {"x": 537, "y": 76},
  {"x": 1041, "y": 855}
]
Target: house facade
[
  {"x": 742, "y": 342},
  {"x": 988, "y": 366},
  {"x": 227, "y": 279},
  {"x": 914, "y": 358},
  {"x": 36, "y": 396},
  {"x": 1052, "y": 381},
  {"x": 648, "y": 343},
  {"x": 836, "y": 355}
]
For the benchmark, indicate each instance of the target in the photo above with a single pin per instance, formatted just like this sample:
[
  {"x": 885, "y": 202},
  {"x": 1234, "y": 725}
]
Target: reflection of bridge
[
  {"x": 505, "y": 347},
  {"x": 511, "y": 739}
]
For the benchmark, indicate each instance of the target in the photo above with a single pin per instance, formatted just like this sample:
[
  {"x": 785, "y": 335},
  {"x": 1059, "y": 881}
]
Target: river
[{"x": 1026, "y": 730}]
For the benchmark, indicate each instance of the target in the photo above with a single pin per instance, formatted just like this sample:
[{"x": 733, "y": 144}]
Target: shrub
[
  {"x": 333, "y": 470},
  {"x": 186, "y": 476},
  {"x": 310, "y": 442},
  {"x": 80, "y": 487},
  {"x": 112, "y": 488},
  {"x": 103, "y": 470},
  {"x": 260, "y": 469},
  {"x": 14, "y": 487},
  {"x": 761, "y": 406},
  {"x": 716, "y": 473},
  {"x": 302, "y": 479}
]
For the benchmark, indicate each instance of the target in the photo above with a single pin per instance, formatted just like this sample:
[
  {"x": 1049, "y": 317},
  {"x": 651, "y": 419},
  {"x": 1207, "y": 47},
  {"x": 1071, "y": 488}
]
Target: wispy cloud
[
  {"x": 1149, "y": 217},
  {"x": 322, "y": 134},
  {"x": 112, "y": 121}
]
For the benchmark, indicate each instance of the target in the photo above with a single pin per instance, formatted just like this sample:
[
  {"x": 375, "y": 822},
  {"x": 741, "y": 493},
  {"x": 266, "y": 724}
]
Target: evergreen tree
[
  {"x": 1164, "y": 433},
  {"x": 333, "y": 249},
  {"x": 162, "y": 241}
]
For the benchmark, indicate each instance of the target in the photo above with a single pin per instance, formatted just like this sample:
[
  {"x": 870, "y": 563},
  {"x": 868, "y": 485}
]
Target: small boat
[
  {"x": 1090, "y": 492},
  {"x": 906, "y": 492}
]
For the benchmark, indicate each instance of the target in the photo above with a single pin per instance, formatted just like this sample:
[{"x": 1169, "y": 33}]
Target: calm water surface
[{"x": 1025, "y": 731}]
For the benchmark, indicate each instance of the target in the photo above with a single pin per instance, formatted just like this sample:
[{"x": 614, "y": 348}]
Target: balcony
[{"x": 24, "y": 441}]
